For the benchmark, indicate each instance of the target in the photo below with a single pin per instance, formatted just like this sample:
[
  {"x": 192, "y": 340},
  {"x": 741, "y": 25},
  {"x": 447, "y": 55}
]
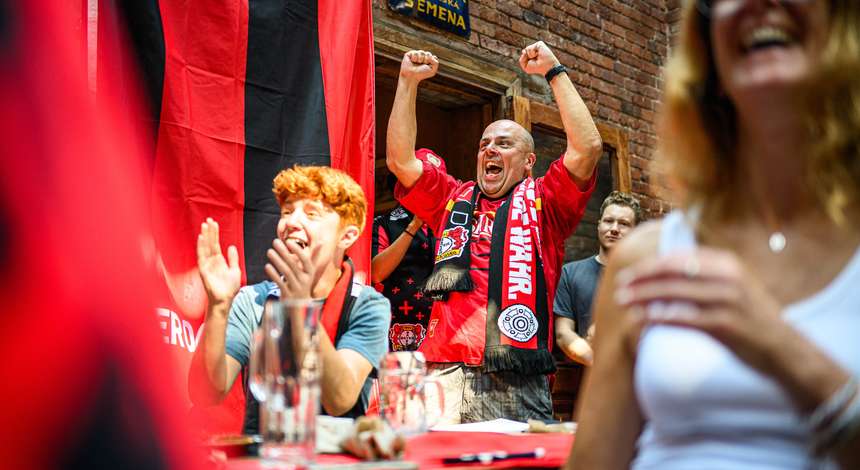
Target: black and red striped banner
[{"x": 238, "y": 90}]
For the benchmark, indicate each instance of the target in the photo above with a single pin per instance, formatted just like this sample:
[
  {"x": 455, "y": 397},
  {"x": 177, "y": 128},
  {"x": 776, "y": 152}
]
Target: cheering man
[{"x": 499, "y": 246}]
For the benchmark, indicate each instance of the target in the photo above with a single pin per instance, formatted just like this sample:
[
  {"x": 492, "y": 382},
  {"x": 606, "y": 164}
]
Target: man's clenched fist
[
  {"x": 418, "y": 65},
  {"x": 537, "y": 59}
]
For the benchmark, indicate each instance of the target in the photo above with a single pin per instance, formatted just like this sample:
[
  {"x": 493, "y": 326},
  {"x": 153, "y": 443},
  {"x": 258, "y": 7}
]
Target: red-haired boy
[{"x": 322, "y": 214}]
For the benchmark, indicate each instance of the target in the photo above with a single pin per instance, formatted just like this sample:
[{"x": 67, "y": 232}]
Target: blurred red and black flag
[
  {"x": 239, "y": 90},
  {"x": 86, "y": 384}
]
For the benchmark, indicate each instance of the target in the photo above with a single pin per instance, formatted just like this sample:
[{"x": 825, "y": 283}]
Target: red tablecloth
[{"x": 429, "y": 449}]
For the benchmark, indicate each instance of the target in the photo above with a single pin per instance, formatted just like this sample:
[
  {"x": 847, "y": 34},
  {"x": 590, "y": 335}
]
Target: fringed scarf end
[
  {"x": 527, "y": 361},
  {"x": 448, "y": 279}
]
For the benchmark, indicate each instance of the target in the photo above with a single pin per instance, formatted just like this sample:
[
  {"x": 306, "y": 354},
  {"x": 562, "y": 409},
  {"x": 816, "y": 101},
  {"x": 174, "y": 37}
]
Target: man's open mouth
[{"x": 493, "y": 168}]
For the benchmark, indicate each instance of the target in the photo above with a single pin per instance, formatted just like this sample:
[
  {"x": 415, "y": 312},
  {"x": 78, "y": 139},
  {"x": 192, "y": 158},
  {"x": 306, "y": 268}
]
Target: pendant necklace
[{"x": 776, "y": 241}]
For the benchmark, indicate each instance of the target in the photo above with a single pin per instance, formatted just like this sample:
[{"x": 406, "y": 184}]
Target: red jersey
[{"x": 457, "y": 328}]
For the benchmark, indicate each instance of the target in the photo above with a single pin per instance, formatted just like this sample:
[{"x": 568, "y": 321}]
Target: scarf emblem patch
[
  {"x": 452, "y": 242},
  {"x": 518, "y": 322}
]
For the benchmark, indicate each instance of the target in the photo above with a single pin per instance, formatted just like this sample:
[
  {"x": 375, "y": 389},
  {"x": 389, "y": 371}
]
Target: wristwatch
[{"x": 554, "y": 71}]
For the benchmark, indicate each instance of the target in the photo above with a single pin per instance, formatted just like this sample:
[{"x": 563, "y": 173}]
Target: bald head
[
  {"x": 520, "y": 133},
  {"x": 505, "y": 157}
]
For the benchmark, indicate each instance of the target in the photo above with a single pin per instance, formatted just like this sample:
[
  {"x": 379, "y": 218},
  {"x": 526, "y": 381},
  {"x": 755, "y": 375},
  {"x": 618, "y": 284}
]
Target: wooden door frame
[{"x": 530, "y": 113}]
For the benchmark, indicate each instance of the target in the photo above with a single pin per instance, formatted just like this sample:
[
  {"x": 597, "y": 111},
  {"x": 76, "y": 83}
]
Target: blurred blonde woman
[{"x": 737, "y": 346}]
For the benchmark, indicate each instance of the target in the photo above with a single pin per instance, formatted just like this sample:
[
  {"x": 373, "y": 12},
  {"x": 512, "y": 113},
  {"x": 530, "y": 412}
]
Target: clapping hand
[
  {"x": 222, "y": 277},
  {"x": 291, "y": 268}
]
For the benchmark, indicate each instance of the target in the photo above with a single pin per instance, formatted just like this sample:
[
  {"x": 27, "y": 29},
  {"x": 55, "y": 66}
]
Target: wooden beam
[
  {"x": 546, "y": 116},
  {"x": 622, "y": 161},
  {"x": 522, "y": 112}
]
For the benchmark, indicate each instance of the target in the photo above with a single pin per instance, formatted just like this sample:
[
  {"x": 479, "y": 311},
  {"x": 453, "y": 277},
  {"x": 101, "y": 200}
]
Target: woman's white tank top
[{"x": 706, "y": 409}]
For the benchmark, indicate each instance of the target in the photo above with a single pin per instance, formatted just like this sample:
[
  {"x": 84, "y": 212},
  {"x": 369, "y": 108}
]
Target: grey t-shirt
[
  {"x": 366, "y": 334},
  {"x": 575, "y": 292}
]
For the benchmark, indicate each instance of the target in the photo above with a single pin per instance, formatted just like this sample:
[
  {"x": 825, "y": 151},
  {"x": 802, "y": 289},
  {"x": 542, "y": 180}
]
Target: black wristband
[
  {"x": 410, "y": 234},
  {"x": 554, "y": 71}
]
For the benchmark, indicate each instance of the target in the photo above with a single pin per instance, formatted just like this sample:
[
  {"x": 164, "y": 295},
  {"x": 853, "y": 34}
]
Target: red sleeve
[
  {"x": 382, "y": 240},
  {"x": 429, "y": 195}
]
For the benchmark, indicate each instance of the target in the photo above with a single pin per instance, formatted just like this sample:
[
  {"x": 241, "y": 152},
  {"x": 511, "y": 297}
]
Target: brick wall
[{"x": 615, "y": 49}]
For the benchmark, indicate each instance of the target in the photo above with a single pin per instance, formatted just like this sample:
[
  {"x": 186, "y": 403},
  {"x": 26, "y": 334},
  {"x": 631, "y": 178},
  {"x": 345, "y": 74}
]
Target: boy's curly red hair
[{"x": 333, "y": 187}]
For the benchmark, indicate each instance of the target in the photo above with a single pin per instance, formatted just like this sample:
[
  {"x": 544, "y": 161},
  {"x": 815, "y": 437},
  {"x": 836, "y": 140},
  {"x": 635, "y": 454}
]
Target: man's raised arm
[
  {"x": 584, "y": 145},
  {"x": 402, "y": 125}
]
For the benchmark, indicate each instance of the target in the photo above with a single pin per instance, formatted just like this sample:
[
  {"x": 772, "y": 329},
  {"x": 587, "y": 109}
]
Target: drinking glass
[
  {"x": 404, "y": 397},
  {"x": 284, "y": 378}
]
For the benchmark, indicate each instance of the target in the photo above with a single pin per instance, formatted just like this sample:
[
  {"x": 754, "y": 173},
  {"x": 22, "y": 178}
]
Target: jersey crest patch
[{"x": 406, "y": 336}]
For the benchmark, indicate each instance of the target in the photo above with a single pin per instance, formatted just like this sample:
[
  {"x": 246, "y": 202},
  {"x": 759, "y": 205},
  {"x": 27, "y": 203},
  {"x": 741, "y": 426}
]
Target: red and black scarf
[
  {"x": 517, "y": 307},
  {"x": 338, "y": 304}
]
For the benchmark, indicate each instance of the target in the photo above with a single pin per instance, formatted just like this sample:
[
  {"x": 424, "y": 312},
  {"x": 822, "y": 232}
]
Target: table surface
[{"x": 427, "y": 451}]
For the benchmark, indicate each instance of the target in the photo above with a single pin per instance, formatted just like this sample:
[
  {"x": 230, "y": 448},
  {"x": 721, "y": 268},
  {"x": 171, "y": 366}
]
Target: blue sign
[{"x": 450, "y": 15}]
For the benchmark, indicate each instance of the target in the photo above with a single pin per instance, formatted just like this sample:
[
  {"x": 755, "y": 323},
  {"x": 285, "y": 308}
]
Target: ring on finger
[{"x": 692, "y": 267}]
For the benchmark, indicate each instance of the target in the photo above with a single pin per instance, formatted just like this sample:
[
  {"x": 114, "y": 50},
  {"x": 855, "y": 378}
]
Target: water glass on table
[
  {"x": 405, "y": 403},
  {"x": 284, "y": 378}
]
